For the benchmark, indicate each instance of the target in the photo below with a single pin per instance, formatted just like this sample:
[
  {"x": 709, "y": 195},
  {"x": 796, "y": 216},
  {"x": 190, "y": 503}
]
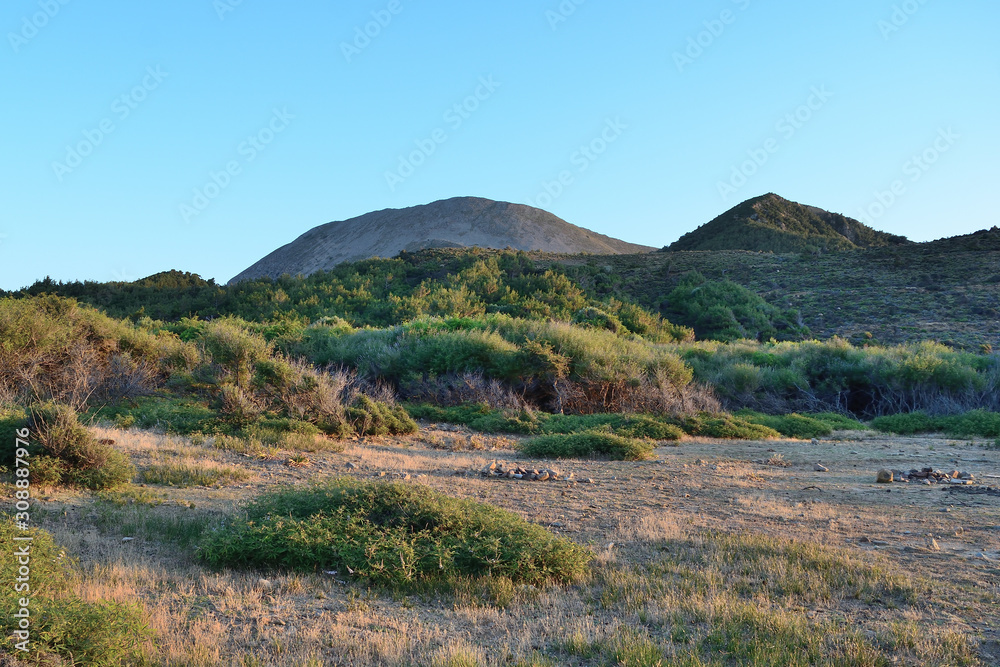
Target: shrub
[
  {"x": 725, "y": 426},
  {"x": 792, "y": 426},
  {"x": 839, "y": 422},
  {"x": 74, "y": 455},
  {"x": 369, "y": 417},
  {"x": 905, "y": 424},
  {"x": 391, "y": 534},
  {"x": 589, "y": 444},
  {"x": 84, "y": 633},
  {"x": 979, "y": 423}
]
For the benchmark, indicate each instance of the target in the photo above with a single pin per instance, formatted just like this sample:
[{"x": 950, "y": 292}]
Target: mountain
[
  {"x": 771, "y": 223},
  {"x": 450, "y": 223}
]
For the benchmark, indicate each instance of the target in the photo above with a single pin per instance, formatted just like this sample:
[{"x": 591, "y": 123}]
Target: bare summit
[{"x": 450, "y": 223}]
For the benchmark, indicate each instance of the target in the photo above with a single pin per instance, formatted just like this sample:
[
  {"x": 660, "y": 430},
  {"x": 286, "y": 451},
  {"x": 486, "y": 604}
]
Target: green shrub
[
  {"x": 66, "y": 452},
  {"x": 905, "y": 424},
  {"x": 101, "y": 633},
  {"x": 725, "y": 426},
  {"x": 839, "y": 422},
  {"x": 792, "y": 426},
  {"x": 393, "y": 534},
  {"x": 589, "y": 444},
  {"x": 981, "y": 423},
  {"x": 370, "y": 417}
]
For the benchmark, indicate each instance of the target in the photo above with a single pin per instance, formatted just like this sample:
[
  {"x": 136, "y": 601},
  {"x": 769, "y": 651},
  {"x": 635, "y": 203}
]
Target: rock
[
  {"x": 966, "y": 475},
  {"x": 820, "y": 468},
  {"x": 815, "y": 441},
  {"x": 265, "y": 584},
  {"x": 543, "y": 476},
  {"x": 518, "y": 475},
  {"x": 954, "y": 474},
  {"x": 352, "y": 466},
  {"x": 884, "y": 477},
  {"x": 932, "y": 544},
  {"x": 127, "y": 539}
]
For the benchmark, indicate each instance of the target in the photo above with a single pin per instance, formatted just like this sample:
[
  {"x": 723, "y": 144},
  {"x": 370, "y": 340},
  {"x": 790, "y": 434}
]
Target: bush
[
  {"x": 979, "y": 423},
  {"x": 589, "y": 444},
  {"x": 84, "y": 633},
  {"x": 839, "y": 422},
  {"x": 66, "y": 452},
  {"x": 481, "y": 418},
  {"x": 905, "y": 424},
  {"x": 792, "y": 426},
  {"x": 726, "y": 427},
  {"x": 391, "y": 534},
  {"x": 370, "y": 417}
]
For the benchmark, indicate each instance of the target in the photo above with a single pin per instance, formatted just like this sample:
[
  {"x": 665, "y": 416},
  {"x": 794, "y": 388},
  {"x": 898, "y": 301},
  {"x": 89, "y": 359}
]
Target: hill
[
  {"x": 451, "y": 223},
  {"x": 771, "y": 223}
]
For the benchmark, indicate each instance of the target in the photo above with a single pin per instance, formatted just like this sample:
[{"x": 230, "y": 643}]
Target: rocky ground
[{"x": 946, "y": 536}]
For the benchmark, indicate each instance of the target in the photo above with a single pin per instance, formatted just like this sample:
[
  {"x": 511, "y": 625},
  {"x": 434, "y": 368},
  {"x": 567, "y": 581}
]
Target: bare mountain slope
[{"x": 457, "y": 222}]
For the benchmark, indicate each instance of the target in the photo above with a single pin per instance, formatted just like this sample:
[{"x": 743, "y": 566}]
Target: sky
[{"x": 200, "y": 135}]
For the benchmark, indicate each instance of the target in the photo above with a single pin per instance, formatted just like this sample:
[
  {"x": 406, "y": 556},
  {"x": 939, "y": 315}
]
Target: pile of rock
[
  {"x": 512, "y": 471},
  {"x": 925, "y": 476}
]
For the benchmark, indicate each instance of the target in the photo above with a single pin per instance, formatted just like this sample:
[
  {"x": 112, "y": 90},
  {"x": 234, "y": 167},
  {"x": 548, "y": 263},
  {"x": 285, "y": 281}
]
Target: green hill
[{"x": 771, "y": 223}]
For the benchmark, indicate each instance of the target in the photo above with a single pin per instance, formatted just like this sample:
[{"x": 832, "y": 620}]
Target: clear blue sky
[{"x": 184, "y": 85}]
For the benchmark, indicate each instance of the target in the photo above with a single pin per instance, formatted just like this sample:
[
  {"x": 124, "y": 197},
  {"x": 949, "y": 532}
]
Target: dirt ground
[{"x": 934, "y": 533}]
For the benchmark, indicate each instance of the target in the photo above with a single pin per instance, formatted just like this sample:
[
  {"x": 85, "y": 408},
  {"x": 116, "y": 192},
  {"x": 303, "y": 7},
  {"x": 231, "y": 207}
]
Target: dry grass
[{"x": 684, "y": 549}]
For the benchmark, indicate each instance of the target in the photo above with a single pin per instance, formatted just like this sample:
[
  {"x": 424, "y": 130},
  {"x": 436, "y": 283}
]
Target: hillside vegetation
[{"x": 772, "y": 224}]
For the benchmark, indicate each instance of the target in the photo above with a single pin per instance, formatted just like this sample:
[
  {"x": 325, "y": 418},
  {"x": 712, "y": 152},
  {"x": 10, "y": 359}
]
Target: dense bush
[
  {"x": 588, "y": 445},
  {"x": 101, "y": 633},
  {"x": 63, "y": 451},
  {"x": 792, "y": 425},
  {"x": 481, "y": 418},
  {"x": 723, "y": 310},
  {"x": 975, "y": 423},
  {"x": 393, "y": 534},
  {"x": 374, "y": 292},
  {"x": 835, "y": 376},
  {"x": 55, "y": 349},
  {"x": 724, "y": 426}
]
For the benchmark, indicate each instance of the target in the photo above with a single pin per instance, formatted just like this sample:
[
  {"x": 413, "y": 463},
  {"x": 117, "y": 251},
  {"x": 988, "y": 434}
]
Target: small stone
[
  {"x": 820, "y": 468},
  {"x": 543, "y": 477},
  {"x": 127, "y": 539},
  {"x": 518, "y": 475},
  {"x": 815, "y": 441},
  {"x": 884, "y": 477},
  {"x": 589, "y": 480},
  {"x": 966, "y": 475},
  {"x": 352, "y": 466}
]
